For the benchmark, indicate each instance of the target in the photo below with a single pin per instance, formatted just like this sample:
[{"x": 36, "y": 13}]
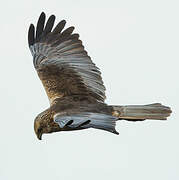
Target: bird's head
[
  {"x": 38, "y": 128},
  {"x": 41, "y": 124}
]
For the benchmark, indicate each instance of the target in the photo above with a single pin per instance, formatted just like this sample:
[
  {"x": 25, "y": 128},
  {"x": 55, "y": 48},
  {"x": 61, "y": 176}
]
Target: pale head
[{"x": 41, "y": 124}]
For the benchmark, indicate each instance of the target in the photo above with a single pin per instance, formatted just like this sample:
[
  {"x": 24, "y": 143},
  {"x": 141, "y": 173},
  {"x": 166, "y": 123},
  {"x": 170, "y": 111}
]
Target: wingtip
[
  {"x": 42, "y": 14},
  {"x": 31, "y": 26},
  {"x": 71, "y": 27},
  {"x": 59, "y": 27},
  {"x": 63, "y": 20},
  {"x": 53, "y": 16},
  {"x": 31, "y": 35},
  {"x": 115, "y": 132}
]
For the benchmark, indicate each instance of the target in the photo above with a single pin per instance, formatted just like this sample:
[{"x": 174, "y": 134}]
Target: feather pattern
[
  {"x": 62, "y": 63},
  {"x": 87, "y": 120}
]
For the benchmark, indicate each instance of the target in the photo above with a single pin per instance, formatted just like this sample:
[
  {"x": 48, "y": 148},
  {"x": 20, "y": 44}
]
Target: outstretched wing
[
  {"x": 87, "y": 120},
  {"x": 62, "y": 64}
]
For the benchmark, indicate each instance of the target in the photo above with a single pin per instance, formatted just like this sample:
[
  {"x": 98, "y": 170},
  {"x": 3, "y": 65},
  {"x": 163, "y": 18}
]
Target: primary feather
[{"x": 62, "y": 63}]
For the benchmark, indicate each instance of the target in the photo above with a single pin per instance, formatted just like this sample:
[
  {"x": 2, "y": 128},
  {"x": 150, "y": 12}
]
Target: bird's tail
[{"x": 141, "y": 112}]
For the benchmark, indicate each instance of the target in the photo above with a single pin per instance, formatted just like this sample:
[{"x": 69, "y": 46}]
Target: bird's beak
[{"x": 39, "y": 136}]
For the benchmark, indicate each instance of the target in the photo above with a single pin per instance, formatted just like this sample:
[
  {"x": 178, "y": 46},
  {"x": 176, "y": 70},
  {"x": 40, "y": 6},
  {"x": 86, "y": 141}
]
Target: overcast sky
[{"x": 136, "y": 46}]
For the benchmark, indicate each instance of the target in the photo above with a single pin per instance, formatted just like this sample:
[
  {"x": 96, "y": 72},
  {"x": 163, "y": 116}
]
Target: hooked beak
[{"x": 39, "y": 135}]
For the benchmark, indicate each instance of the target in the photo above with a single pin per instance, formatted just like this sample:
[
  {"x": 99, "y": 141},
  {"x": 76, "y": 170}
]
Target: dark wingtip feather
[
  {"x": 31, "y": 35},
  {"x": 59, "y": 27},
  {"x": 49, "y": 24},
  {"x": 74, "y": 36},
  {"x": 115, "y": 132},
  {"x": 68, "y": 31},
  {"x": 44, "y": 31},
  {"x": 40, "y": 25},
  {"x": 64, "y": 36},
  {"x": 42, "y": 14}
]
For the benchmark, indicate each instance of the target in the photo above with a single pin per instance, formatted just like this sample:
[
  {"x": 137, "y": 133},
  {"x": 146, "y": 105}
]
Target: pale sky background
[{"x": 135, "y": 43}]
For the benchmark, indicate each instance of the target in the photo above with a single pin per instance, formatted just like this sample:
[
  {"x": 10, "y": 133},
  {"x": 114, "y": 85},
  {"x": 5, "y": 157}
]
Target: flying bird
[{"x": 74, "y": 85}]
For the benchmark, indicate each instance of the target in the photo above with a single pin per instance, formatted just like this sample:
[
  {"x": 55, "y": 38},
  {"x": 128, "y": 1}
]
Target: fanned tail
[{"x": 141, "y": 112}]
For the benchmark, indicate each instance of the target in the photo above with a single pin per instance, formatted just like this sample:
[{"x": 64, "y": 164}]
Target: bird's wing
[
  {"x": 87, "y": 120},
  {"x": 62, "y": 64}
]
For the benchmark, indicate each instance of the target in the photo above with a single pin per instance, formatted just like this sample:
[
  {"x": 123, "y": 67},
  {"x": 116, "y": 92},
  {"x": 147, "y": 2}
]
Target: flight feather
[{"x": 62, "y": 64}]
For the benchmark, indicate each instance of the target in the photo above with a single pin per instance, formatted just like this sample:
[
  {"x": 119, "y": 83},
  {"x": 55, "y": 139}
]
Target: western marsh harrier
[{"x": 74, "y": 85}]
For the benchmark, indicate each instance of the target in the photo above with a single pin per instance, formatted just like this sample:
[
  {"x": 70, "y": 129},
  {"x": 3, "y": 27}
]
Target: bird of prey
[{"x": 74, "y": 85}]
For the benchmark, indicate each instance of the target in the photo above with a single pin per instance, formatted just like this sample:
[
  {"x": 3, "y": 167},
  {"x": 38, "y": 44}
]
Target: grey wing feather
[
  {"x": 76, "y": 119},
  {"x": 87, "y": 120}
]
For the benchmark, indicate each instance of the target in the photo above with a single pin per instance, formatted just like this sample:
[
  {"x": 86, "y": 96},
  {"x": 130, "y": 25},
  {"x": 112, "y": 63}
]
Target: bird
[{"x": 74, "y": 85}]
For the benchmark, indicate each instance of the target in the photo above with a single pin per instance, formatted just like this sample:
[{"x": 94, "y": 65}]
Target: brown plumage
[{"x": 74, "y": 85}]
